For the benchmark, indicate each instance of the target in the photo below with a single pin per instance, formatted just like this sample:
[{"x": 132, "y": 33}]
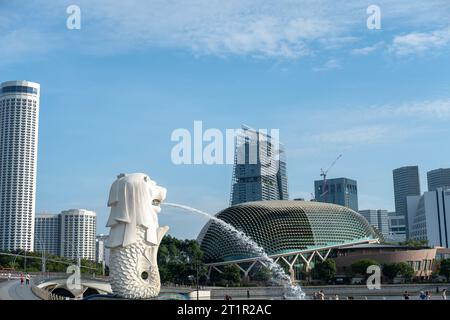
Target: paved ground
[{"x": 13, "y": 290}]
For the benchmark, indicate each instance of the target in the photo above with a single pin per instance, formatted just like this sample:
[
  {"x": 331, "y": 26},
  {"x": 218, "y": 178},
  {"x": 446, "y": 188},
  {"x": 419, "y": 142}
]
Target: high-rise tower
[
  {"x": 259, "y": 171},
  {"x": 341, "y": 191},
  {"x": 438, "y": 178},
  {"x": 19, "y": 118},
  {"x": 406, "y": 183}
]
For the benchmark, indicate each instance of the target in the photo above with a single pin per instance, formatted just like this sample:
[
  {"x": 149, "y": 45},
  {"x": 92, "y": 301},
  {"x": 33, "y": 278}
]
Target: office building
[
  {"x": 259, "y": 171},
  {"x": 378, "y": 219},
  {"x": 19, "y": 118},
  {"x": 341, "y": 191},
  {"x": 397, "y": 227},
  {"x": 47, "y": 232},
  {"x": 439, "y": 178},
  {"x": 406, "y": 183},
  {"x": 429, "y": 217},
  {"x": 78, "y": 234}
]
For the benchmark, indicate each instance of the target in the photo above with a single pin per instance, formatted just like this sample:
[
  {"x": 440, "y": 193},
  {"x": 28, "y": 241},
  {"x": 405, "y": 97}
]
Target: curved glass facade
[{"x": 281, "y": 227}]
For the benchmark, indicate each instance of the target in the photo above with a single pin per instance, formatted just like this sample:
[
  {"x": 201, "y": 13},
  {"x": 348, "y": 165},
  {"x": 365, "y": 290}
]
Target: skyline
[{"x": 379, "y": 97}]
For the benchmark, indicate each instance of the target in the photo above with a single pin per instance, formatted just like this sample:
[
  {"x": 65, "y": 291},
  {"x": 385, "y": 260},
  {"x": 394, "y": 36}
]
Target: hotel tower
[{"x": 19, "y": 118}]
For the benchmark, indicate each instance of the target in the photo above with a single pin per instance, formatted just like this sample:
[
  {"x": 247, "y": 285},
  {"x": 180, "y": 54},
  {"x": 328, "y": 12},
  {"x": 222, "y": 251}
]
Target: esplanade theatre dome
[{"x": 281, "y": 227}]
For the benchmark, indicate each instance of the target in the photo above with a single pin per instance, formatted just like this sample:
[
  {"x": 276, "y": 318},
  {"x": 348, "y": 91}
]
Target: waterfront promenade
[
  {"x": 13, "y": 290},
  {"x": 357, "y": 292}
]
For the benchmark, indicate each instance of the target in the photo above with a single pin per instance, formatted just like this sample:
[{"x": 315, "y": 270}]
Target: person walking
[
  {"x": 27, "y": 279},
  {"x": 444, "y": 294},
  {"x": 321, "y": 295},
  {"x": 21, "y": 279},
  {"x": 422, "y": 295},
  {"x": 406, "y": 295}
]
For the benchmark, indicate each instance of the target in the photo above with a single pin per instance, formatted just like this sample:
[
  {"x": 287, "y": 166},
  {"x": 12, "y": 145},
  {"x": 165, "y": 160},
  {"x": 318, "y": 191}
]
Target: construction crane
[{"x": 324, "y": 175}]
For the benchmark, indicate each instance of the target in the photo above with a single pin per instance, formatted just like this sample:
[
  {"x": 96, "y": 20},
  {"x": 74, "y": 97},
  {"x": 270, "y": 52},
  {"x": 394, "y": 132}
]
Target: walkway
[{"x": 13, "y": 290}]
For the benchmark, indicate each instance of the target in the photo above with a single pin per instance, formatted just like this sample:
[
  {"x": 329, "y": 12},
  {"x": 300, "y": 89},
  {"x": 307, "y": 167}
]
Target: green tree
[
  {"x": 406, "y": 270},
  {"x": 391, "y": 270},
  {"x": 232, "y": 274},
  {"x": 415, "y": 243},
  {"x": 326, "y": 270},
  {"x": 179, "y": 261},
  {"x": 264, "y": 274},
  {"x": 360, "y": 267},
  {"x": 444, "y": 268},
  {"x": 32, "y": 262}
]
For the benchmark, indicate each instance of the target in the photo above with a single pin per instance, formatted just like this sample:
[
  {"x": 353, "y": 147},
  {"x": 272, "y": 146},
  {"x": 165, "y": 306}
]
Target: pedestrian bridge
[{"x": 65, "y": 288}]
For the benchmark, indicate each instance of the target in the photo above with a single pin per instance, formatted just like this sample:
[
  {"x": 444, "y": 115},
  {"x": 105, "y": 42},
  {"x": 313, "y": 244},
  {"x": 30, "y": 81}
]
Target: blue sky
[{"x": 113, "y": 92}]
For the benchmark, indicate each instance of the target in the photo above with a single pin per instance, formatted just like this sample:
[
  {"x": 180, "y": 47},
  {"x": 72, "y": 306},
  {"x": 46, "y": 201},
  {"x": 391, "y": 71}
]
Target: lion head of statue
[{"x": 135, "y": 202}]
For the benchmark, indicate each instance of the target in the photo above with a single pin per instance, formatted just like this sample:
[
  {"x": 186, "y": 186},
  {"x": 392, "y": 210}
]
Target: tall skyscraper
[
  {"x": 19, "y": 118},
  {"x": 341, "y": 191},
  {"x": 78, "y": 234},
  {"x": 406, "y": 183},
  {"x": 378, "y": 219},
  {"x": 259, "y": 171},
  {"x": 430, "y": 217},
  {"x": 439, "y": 178},
  {"x": 47, "y": 233}
]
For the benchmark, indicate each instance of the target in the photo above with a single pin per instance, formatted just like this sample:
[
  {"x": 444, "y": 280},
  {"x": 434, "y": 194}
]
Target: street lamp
[
  {"x": 43, "y": 254},
  {"x": 197, "y": 269},
  {"x": 191, "y": 277}
]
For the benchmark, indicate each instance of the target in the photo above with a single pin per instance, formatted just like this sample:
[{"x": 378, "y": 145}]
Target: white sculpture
[{"x": 135, "y": 236}]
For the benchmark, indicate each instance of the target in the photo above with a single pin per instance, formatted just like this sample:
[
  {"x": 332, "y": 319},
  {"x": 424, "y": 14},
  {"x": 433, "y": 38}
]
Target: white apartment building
[
  {"x": 47, "y": 233},
  {"x": 78, "y": 234}
]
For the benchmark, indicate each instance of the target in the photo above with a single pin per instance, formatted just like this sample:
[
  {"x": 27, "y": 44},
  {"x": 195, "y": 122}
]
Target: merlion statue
[{"x": 135, "y": 236}]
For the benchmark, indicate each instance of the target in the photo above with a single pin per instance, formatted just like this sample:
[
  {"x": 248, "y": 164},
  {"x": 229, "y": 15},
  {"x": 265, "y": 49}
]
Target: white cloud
[
  {"x": 216, "y": 27},
  {"x": 283, "y": 29},
  {"x": 364, "y": 51},
  {"x": 331, "y": 64},
  {"x": 20, "y": 43},
  {"x": 265, "y": 37},
  {"x": 363, "y": 126},
  {"x": 419, "y": 42},
  {"x": 337, "y": 42},
  {"x": 359, "y": 134},
  {"x": 438, "y": 109}
]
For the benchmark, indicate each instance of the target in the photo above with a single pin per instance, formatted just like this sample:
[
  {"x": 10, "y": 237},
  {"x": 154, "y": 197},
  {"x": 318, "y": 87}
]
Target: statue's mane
[{"x": 130, "y": 199}]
